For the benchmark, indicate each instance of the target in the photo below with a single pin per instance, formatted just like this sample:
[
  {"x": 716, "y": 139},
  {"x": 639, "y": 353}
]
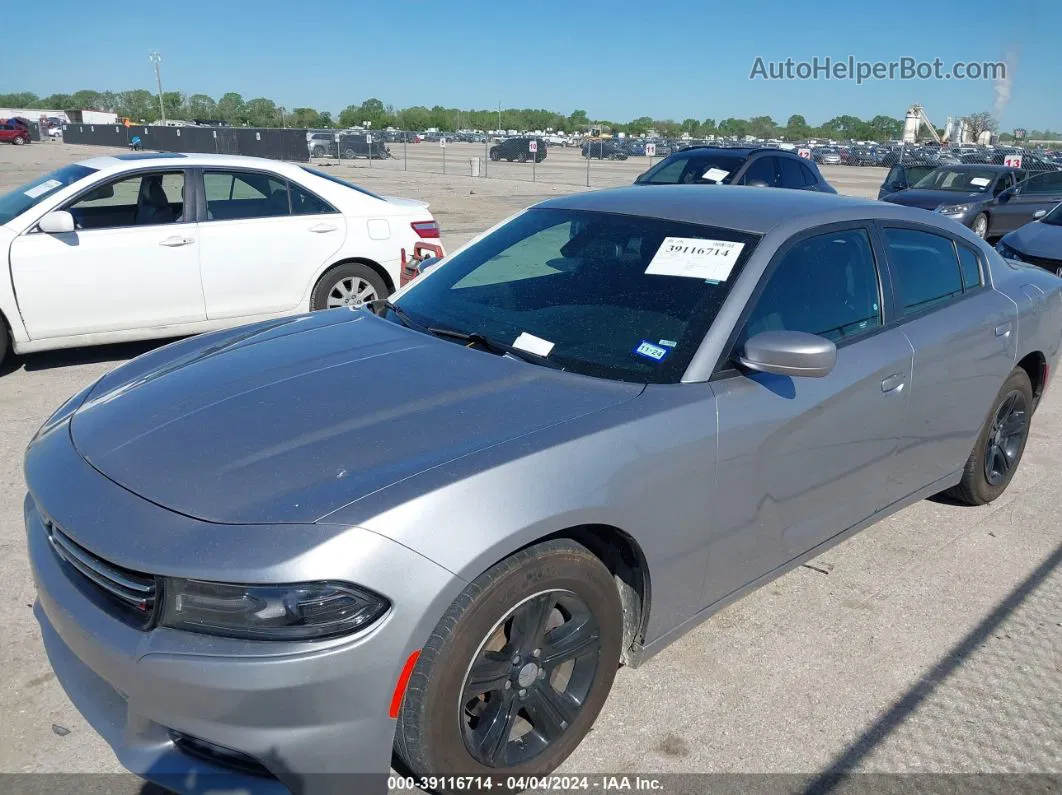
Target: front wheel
[
  {"x": 980, "y": 225},
  {"x": 517, "y": 669},
  {"x": 350, "y": 285},
  {"x": 998, "y": 450}
]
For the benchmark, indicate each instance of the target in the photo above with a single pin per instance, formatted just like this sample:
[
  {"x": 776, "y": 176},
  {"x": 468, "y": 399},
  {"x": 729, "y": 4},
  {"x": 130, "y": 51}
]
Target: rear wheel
[
  {"x": 518, "y": 668},
  {"x": 348, "y": 153},
  {"x": 351, "y": 285},
  {"x": 998, "y": 451},
  {"x": 20, "y": 140}
]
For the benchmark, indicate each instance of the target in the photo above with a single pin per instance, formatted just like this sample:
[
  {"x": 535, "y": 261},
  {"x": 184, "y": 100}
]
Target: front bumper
[{"x": 314, "y": 718}]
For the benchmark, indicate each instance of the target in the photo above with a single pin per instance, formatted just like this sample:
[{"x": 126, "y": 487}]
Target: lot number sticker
[
  {"x": 804, "y": 153},
  {"x": 1014, "y": 161},
  {"x": 715, "y": 174},
  {"x": 695, "y": 258}
]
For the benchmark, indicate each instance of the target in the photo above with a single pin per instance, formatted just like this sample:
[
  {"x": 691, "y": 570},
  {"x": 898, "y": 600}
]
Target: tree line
[{"x": 143, "y": 106}]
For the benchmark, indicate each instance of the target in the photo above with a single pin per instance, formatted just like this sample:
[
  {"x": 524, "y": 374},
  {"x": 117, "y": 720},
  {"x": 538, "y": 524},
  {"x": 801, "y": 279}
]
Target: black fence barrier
[{"x": 267, "y": 142}]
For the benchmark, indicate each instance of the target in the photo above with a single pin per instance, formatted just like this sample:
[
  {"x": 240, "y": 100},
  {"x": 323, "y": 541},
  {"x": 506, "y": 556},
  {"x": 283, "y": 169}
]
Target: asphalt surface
[{"x": 930, "y": 643}]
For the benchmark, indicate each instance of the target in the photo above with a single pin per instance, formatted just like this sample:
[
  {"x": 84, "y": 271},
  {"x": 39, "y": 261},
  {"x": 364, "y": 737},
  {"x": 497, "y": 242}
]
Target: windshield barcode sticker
[
  {"x": 695, "y": 258},
  {"x": 715, "y": 174}
]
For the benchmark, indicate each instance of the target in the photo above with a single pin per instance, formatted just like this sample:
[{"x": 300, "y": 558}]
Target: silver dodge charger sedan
[{"x": 294, "y": 552}]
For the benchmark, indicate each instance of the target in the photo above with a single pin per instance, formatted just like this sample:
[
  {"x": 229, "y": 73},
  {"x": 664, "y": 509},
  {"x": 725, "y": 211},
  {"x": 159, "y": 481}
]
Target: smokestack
[{"x": 1003, "y": 85}]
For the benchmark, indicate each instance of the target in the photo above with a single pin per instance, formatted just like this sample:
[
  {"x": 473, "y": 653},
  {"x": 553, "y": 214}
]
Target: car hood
[
  {"x": 1037, "y": 240},
  {"x": 288, "y": 421},
  {"x": 932, "y": 199}
]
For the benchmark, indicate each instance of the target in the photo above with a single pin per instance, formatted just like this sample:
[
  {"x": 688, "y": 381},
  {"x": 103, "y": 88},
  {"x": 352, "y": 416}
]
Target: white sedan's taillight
[{"x": 426, "y": 229}]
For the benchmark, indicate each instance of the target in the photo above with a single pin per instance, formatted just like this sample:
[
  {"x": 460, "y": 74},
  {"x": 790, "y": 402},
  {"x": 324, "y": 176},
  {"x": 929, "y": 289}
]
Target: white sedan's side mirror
[{"x": 57, "y": 222}]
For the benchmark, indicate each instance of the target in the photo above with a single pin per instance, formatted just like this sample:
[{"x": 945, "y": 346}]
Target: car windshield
[
  {"x": 1054, "y": 218},
  {"x": 967, "y": 180},
  {"x": 694, "y": 168},
  {"x": 611, "y": 296},
  {"x": 24, "y": 197}
]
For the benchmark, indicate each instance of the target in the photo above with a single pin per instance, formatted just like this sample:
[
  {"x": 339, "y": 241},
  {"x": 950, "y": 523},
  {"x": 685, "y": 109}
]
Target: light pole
[{"x": 156, "y": 59}]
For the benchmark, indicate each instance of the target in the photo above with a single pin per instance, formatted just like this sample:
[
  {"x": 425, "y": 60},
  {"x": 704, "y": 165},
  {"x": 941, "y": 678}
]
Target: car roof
[
  {"x": 980, "y": 167},
  {"x": 742, "y": 151},
  {"x": 173, "y": 159},
  {"x": 748, "y": 209}
]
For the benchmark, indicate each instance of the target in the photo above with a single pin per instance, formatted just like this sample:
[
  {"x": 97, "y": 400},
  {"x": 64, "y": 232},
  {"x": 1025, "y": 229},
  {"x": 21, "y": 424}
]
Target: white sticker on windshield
[
  {"x": 695, "y": 258},
  {"x": 39, "y": 190},
  {"x": 532, "y": 344},
  {"x": 980, "y": 181},
  {"x": 715, "y": 174}
]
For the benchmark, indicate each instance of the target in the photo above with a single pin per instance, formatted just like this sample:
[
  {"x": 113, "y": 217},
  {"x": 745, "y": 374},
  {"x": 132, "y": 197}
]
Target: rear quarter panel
[{"x": 1038, "y": 296}]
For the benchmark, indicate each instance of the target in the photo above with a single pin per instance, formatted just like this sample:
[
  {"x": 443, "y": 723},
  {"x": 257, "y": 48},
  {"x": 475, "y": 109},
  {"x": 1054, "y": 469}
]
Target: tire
[
  {"x": 495, "y": 156},
  {"x": 349, "y": 153},
  {"x": 349, "y": 284},
  {"x": 18, "y": 140},
  {"x": 438, "y": 726},
  {"x": 319, "y": 151},
  {"x": 982, "y": 478},
  {"x": 980, "y": 226},
  {"x": 4, "y": 340}
]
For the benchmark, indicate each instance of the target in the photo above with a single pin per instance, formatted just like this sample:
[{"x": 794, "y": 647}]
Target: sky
[{"x": 616, "y": 60}]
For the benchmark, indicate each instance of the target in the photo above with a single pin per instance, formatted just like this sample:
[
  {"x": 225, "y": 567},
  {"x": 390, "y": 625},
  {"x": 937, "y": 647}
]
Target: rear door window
[
  {"x": 232, "y": 195},
  {"x": 925, "y": 267}
]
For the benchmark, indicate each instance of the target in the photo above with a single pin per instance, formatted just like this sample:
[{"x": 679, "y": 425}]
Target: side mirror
[
  {"x": 57, "y": 222},
  {"x": 1039, "y": 214},
  {"x": 428, "y": 264},
  {"x": 794, "y": 353},
  {"x": 1007, "y": 195}
]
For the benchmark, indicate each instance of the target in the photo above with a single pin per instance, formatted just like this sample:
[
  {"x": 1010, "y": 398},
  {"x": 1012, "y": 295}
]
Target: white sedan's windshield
[
  {"x": 24, "y": 197},
  {"x": 614, "y": 296}
]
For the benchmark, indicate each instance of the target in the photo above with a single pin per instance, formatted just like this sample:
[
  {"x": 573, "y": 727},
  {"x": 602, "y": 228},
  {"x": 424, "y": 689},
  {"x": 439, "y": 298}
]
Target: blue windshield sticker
[{"x": 650, "y": 351}]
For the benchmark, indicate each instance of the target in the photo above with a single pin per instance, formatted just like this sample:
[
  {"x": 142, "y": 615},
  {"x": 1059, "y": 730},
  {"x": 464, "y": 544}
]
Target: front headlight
[
  {"x": 954, "y": 209},
  {"x": 301, "y": 611},
  {"x": 1007, "y": 252}
]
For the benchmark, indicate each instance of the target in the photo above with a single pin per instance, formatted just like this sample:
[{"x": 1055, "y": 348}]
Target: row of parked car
[{"x": 429, "y": 534}]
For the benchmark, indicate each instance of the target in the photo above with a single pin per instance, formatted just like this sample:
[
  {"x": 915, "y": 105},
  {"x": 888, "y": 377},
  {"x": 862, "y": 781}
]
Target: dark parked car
[
  {"x": 317, "y": 544},
  {"x": 605, "y": 150},
  {"x": 519, "y": 149},
  {"x": 760, "y": 167},
  {"x": 1038, "y": 243},
  {"x": 903, "y": 175},
  {"x": 967, "y": 193},
  {"x": 354, "y": 145}
]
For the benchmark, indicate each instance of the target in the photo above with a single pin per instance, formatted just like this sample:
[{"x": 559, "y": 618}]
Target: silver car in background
[{"x": 285, "y": 552}]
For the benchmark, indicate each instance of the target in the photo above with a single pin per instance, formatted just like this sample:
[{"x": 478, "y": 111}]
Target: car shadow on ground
[
  {"x": 837, "y": 775},
  {"x": 72, "y": 357}
]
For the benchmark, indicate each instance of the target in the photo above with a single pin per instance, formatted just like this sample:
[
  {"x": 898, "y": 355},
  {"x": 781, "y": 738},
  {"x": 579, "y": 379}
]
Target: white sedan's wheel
[
  {"x": 352, "y": 292},
  {"x": 350, "y": 285}
]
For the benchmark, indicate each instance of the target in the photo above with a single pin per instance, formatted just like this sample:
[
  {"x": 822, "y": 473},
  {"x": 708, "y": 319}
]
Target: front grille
[{"x": 131, "y": 591}]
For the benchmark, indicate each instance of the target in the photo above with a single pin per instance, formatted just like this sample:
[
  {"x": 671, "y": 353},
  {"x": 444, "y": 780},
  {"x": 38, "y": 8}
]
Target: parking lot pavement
[{"x": 931, "y": 642}]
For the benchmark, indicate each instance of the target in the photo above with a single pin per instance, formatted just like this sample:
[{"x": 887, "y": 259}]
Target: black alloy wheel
[
  {"x": 1006, "y": 438},
  {"x": 529, "y": 679}
]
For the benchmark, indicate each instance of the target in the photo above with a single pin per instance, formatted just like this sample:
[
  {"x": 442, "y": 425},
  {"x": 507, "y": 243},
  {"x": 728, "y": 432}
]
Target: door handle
[
  {"x": 892, "y": 383},
  {"x": 1003, "y": 330},
  {"x": 321, "y": 228},
  {"x": 176, "y": 240}
]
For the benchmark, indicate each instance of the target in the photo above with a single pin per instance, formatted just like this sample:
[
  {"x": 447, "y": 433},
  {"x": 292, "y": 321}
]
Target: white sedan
[{"x": 142, "y": 246}]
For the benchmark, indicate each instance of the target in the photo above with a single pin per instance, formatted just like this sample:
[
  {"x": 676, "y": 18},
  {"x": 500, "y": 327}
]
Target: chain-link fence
[{"x": 609, "y": 161}]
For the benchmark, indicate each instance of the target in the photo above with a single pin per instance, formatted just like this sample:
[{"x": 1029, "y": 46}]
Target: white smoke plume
[{"x": 1005, "y": 83}]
